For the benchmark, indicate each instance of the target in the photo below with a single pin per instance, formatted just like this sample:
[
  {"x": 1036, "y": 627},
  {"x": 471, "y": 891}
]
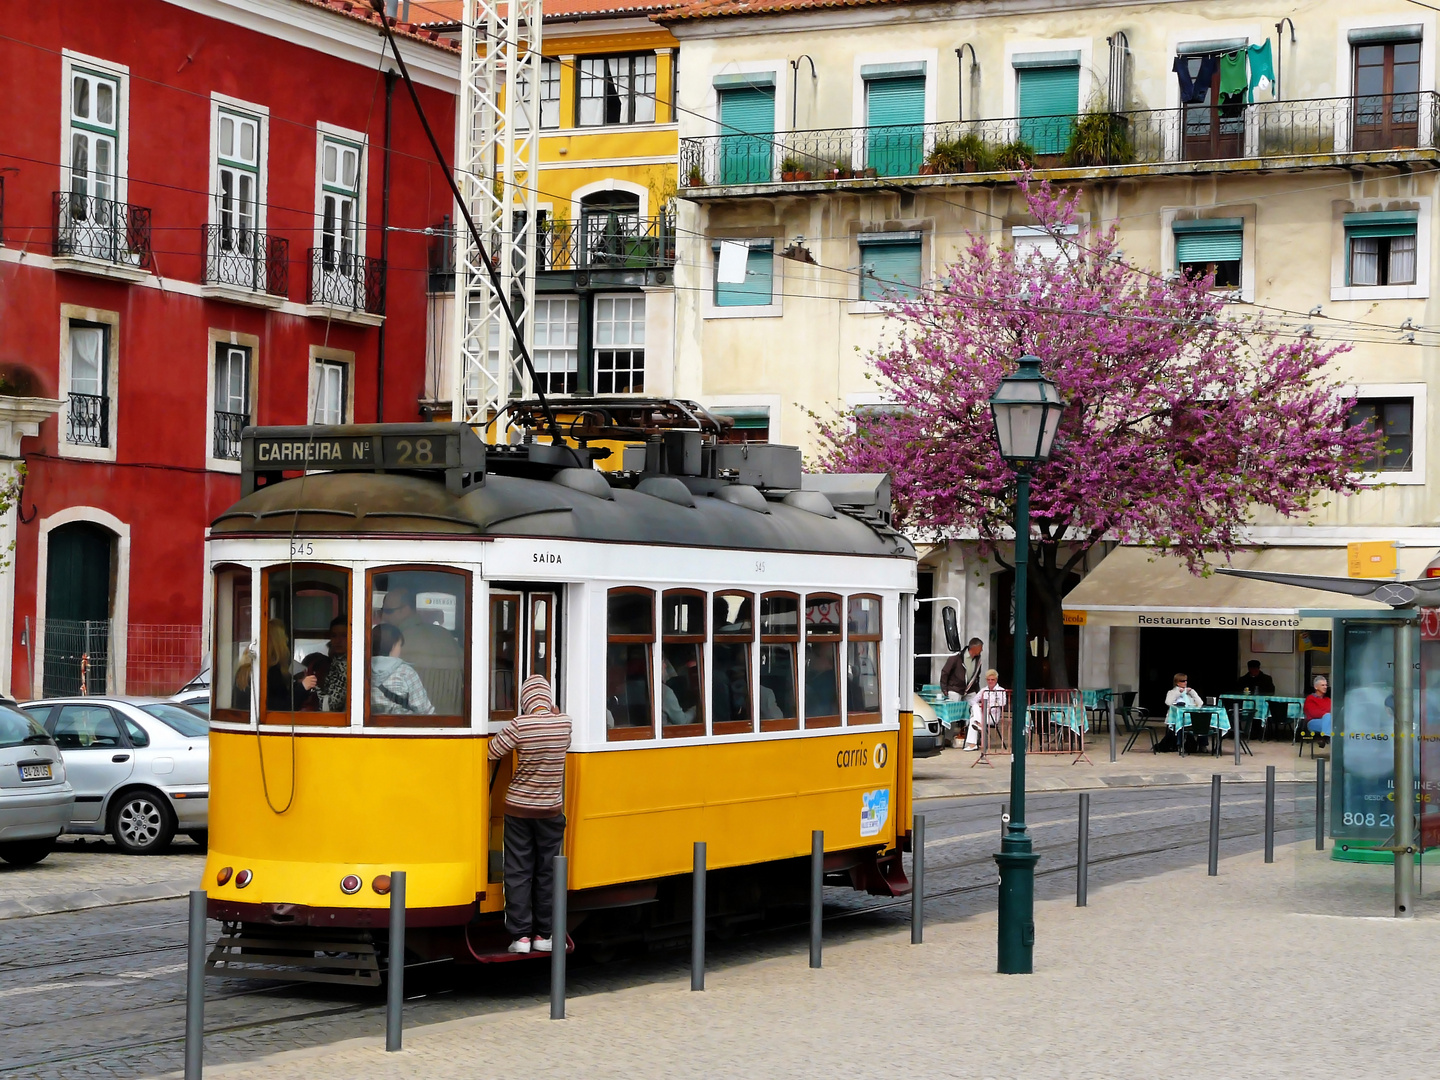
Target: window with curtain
[
  {"x": 1211, "y": 247},
  {"x": 890, "y": 265},
  {"x": 1394, "y": 418},
  {"x": 758, "y": 288},
  {"x": 331, "y": 391},
  {"x": 88, "y": 413},
  {"x": 232, "y": 399},
  {"x": 94, "y": 133},
  {"x": 1380, "y": 251},
  {"x": 617, "y": 89}
]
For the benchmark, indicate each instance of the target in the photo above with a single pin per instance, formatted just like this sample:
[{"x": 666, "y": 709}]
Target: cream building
[{"x": 834, "y": 125}]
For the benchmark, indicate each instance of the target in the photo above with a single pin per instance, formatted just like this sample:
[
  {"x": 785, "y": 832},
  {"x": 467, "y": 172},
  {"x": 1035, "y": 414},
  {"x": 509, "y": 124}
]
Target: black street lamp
[{"x": 1026, "y": 408}]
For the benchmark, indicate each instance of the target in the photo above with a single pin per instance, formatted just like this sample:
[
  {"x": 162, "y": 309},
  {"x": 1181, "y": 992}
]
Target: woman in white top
[{"x": 1181, "y": 694}]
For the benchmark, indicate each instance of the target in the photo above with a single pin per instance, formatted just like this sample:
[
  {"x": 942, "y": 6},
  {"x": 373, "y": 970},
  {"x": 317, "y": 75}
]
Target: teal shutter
[
  {"x": 890, "y": 270},
  {"x": 759, "y": 285},
  {"x": 895, "y": 115},
  {"x": 1049, "y": 98},
  {"x": 1397, "y": 229},
  {"x": 745, "y": 159},
  {"x": 1194, "y": 247}
]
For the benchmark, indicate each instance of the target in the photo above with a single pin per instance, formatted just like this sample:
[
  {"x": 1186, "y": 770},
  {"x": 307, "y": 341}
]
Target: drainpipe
[{"x": 384, "y": 245}]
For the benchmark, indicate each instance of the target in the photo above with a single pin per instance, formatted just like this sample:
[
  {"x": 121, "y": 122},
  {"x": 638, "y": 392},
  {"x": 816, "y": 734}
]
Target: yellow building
[
  {"x": 604, "y": 309},
  {"x": 872, "y": 133}
]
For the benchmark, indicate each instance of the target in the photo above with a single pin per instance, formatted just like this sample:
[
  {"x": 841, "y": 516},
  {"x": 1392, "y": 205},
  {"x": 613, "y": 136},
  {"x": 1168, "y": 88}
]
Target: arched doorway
[{"x": 79, "y": 592}]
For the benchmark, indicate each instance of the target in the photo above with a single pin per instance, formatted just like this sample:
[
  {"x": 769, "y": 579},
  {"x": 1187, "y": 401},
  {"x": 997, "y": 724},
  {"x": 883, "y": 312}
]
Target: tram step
[{"x": 309, "y": 958}]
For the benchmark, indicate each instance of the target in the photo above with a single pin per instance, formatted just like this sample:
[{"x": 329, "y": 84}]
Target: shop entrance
[{"x": 1210, "y": 657}]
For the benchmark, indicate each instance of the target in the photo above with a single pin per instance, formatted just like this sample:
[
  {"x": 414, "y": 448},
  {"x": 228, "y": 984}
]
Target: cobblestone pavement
[
  {"x": 100, "y": 994},
  {"x": 90, "y": 871}
]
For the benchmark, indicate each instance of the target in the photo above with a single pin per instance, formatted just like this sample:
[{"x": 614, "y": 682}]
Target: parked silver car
[
  {"x": 36, "y": 801},
  {"x": 140, "y": 767}
]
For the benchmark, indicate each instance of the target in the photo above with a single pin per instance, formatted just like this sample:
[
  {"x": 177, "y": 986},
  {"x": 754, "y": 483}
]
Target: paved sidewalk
[
  {"x": 1176, "y": 975},
  {"x": 90, "y": 871},
  {"x": 954, "y": 772}
]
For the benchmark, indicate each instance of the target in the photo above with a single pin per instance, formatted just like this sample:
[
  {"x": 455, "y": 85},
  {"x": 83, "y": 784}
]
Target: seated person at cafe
[
  {"x": 1181, "y": 694},
  {"x": 1317, "y": 709},
  {"x": 988, "y": 709},
  {"x": 1256, "y": 682}
]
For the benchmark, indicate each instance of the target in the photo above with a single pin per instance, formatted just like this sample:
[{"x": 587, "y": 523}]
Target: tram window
[
  {"x": 504, "y": 649},
  {"x": 418, "y": 638},
  {"x": 862, "y": 671},
  {"x": 822, "y": 660},
  {"x": 730, "y": 697},
  {"x": 779, "y": 644},
  {"x": 232, "y": 640},
  {"x": 303, "y": 644},
  {"x": 682, "y": 664},
  {"x": 629, "y": 664}
]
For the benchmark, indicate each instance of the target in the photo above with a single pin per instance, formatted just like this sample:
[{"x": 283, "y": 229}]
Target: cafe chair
[
  {"x": 1201, "y": 728},
  {"x": 1136, "y": 720}
]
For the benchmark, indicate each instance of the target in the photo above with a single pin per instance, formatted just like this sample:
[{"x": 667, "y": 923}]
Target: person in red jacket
[{"x": 1317, "y": 709}]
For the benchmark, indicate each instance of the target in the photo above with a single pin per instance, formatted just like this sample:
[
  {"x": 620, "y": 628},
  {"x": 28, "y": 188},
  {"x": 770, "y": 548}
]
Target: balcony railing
[
  {"x": 341, "y": 280},
  {"x": 613, "y": 241},
  {"x": 247, "y": 259},
  {"x": 101, "y": 229},
  {"x": 228, "y": 426},
  {"x": 88, "y": 420},
  {"x": 1192, "y": 133}
]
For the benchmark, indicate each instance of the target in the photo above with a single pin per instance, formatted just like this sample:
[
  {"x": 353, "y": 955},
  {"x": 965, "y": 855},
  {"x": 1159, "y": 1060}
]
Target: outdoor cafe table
[
  {"x": 1177, "y": 719},
  {"x": 1071, "y": 716},
  {"x": 1258, "y": 705}
]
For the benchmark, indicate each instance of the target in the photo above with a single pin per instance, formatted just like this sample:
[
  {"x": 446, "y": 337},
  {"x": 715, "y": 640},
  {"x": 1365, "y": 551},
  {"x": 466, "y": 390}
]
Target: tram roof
[{"x": 388, "y": 504}]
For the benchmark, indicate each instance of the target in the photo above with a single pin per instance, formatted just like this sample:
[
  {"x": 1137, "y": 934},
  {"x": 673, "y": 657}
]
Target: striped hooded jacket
[{"x": 539, "y": 736}]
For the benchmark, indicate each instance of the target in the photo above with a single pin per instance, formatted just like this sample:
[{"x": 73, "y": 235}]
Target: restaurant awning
[{"x": 1137, "y": 586}]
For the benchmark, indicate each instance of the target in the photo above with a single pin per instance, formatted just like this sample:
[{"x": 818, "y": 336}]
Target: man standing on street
[
  {"x": 960, "y": 678},
  {"x": 534, "y": 815}
]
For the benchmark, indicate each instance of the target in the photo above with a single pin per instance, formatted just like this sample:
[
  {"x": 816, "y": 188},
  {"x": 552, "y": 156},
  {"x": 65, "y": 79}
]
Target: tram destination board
[{"x": 267, "y": 453}]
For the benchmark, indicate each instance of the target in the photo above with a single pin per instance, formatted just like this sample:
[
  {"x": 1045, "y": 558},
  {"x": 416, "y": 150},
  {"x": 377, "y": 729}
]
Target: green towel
[
  {"x": 1233, "y": 80},
  {"x": 1262, "y": 71}
]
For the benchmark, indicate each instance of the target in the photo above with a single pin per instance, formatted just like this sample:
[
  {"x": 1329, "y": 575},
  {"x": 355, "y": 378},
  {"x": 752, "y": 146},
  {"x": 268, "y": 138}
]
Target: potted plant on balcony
[
  {"x": 695, "y": 177},
  {"x": 840, "y": 169},
  {"x": 1100, "y": 138},
  {"x": 944, "y": 157},
  {"x": 1013, "y": 155}
]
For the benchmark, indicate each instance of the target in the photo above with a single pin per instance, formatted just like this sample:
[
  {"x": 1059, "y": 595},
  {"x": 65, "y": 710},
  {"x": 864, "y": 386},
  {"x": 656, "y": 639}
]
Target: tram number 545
[{"x": 301, "y": 548}]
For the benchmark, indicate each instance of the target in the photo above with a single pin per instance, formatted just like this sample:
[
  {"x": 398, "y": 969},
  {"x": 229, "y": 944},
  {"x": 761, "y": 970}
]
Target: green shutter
[
  {"x": 890, "y": 269},
  {"x": 745, "y": 159},
  {"x": 1193, "y": 247},
  {"x": 759, "y": 282},
  {"x": 1397, "y": 229},
  {"x": 1048, "y": 92},
  {"x": 895, "y": 115}
]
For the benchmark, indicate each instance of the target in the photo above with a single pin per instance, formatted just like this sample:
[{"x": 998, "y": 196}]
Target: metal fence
[
  {"x": 87, "y": 420},
  {"x": 347, "y": 281},
  {"x": 247, "y": 259},
  {"x": 607, "y": 241},
  {"x": 228, "y": 426},
  {"x": 1139, "y": 137},
  {"x": 95, "y": 228},
  {"x": 1055, "y": 722},
  {"x": 77, "y": 657},
  {"x": 161, "y": 658},
  {"x": 81, "y": 658}
]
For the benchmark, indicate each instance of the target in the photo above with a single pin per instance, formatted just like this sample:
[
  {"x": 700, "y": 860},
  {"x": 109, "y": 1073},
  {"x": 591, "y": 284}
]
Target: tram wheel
[
  {"x": 26, "y": 852},
  {"x": 142, "y": 823}
]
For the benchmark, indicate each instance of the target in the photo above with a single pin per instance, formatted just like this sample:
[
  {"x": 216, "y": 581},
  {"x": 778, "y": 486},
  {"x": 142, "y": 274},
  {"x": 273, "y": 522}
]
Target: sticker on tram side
[{"x": 874, "y": 811}]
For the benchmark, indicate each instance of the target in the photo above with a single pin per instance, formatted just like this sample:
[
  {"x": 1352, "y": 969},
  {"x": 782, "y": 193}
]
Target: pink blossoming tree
[{"x": 1182, "y": 420}]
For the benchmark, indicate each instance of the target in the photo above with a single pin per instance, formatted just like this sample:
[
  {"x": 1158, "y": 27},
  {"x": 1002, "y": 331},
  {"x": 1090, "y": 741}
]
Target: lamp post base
[{"x": 1017, "y": 907}]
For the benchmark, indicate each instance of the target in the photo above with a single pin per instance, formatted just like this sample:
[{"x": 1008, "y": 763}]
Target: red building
[{"x": 193, "y": 237}]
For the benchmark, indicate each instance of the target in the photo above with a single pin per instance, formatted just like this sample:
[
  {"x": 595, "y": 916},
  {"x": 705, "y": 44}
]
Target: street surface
[{"x": 100, "y": 993}]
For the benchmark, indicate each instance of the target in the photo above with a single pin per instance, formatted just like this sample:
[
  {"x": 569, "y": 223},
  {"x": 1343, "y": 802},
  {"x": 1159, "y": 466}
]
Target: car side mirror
[{"x": 952, "y": 629}]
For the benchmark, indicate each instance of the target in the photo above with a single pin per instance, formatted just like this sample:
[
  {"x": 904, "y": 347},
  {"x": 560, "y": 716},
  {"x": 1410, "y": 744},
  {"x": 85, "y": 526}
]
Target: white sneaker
[
  {"x": 544, "y": 944},
  {"x": 520, "y": 945}
]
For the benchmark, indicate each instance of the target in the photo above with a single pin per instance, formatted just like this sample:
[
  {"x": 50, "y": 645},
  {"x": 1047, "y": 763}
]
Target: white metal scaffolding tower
[{"x": 496, "y": 169}]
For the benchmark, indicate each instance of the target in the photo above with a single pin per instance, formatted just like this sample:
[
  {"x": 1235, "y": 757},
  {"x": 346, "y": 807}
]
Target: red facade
[{"x": 155, "y": 358}]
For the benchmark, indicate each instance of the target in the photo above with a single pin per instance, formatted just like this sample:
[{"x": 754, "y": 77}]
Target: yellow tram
[{"x": 730, "y": 637}]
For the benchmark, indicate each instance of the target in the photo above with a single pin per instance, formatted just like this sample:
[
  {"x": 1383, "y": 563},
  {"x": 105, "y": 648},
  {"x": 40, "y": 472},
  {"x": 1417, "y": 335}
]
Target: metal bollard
[
  {"x": 917, "y": 887},
  {"x": 1004, "y": 818},
  {"x": 1082, "y": 856},
  {"x": 1319, "y": 804},
  {"x": 1269, "y": 813},
  {"x": 559, "y": 937},
  {"x": 195, "y": 989},
  {"x": 817, "y": 892},
  {"x": 697, "y": 920},
  {"x": 1235, "y": 727},
  {"x": 1214, "y": 824},
  {"x": 395, "y": 997},
  {"x": 1112, "y": 728}
]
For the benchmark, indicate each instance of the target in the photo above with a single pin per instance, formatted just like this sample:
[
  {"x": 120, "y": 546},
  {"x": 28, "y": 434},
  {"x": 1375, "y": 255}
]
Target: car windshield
[
  {"x": 187, "y": 723},
  {"x": 16, "y": 728}
]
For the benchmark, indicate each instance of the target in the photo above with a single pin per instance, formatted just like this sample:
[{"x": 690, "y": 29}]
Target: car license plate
[{"x": 36, "y": 772}]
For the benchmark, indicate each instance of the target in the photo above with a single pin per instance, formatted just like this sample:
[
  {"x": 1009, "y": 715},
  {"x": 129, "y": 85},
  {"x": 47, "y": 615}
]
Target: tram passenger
[
  {"x": 822, "y": 693},
  {"x": 285, "y": 690},
  {"x": 429, "y": 649},
  {"x": 395, "y": 687},
  {"x": 332, "y": 686},
  {"x": 534, "y": 813}
]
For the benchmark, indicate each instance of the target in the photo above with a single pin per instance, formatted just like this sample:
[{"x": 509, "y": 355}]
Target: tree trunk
[{"x": 1048, "y": 580}]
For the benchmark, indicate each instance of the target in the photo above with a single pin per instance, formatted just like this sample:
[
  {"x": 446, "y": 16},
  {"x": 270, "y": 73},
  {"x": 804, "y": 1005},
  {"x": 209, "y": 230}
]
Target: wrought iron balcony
[
  {"x": 94, "y": 228},
  {"x": 246, "y": 259},
  {"x": 613, "y": 241},
  {"x": 1192, "y": 133},
  {"x": 228, "y": 426},
  {"x": 88, "y": 421},
  {"x": 341, "y": 280}
]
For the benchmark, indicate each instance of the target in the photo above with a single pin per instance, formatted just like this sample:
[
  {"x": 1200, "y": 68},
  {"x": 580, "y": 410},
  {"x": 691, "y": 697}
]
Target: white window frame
[
  {"x": 1340, "y": 255},
  {"x": 217, "y": 339},
  {"x": 1418, "y": 393},
  {"x": 1345, "y": 63},
  {"x": 261, "y": 114},
  {"x": 75, "y": 313},
  {"x": 1010, "y": 78},
  {"x": 858, "y": 86},
  {"x": 1249, "y": 256},
  {"x": 320, "y": 355},
  {"x": 70, "y": 60},
  {"x": 324, "y": 132},
  {"x": 635, "y": 97},
  {"x": 773, "y": 310},
  {"x": 567, "y": 299},
  {"x": 596, "y": 347}
]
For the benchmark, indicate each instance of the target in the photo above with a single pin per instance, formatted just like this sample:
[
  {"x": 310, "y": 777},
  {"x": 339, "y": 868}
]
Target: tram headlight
[
  {"x": 381, "y": 884},
  {"x": 243, "y": 878},
  {"x": 223, "y": 875},
  {"x": 350, "y": 884}
]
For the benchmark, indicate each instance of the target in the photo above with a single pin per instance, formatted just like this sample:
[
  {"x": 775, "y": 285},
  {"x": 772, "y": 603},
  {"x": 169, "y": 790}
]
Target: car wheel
[
  {"x": 26, "y": 852},
  {"x": 142, "y": 824}
]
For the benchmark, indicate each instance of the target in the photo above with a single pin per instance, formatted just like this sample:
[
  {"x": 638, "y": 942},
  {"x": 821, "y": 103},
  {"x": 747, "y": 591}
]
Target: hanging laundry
[
  {"x": 1233, "y": 81},
  {"x": 1262, "y": 70},
  {"x": 1193, "y": 89}
]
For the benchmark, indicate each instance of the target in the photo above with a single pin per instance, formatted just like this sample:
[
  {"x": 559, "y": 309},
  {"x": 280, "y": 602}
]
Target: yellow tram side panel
[
  {"x": 353, "y": 804},
  {"x": 636, "y": 814}
]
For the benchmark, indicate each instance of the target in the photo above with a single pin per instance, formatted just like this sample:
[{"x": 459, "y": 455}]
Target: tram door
[{"x": 524, "y": 637}]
